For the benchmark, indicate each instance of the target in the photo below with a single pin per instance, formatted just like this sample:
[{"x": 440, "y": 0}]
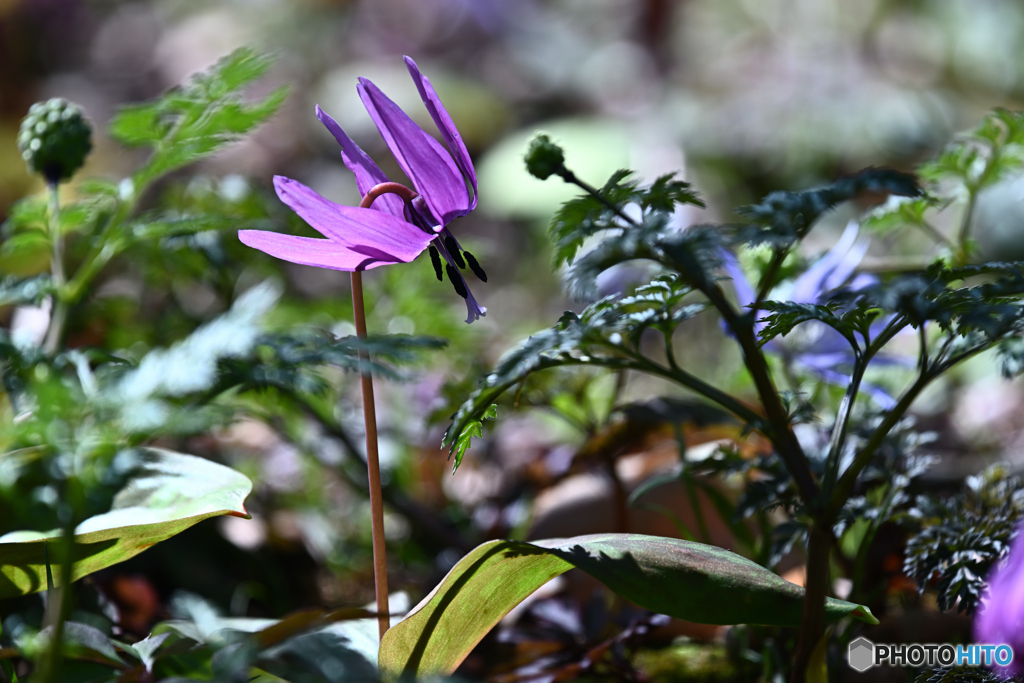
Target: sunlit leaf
[
  {"x": 685, "y": 580},
  {"x": 167, "y": 493}
]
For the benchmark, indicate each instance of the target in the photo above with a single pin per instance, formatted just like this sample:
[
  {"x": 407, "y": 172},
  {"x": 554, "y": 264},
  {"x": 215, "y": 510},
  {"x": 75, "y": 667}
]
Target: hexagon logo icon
[{"x": 861, "y": 655}]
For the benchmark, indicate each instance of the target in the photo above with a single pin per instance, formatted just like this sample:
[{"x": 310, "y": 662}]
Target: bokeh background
[{"x": 741, "y": 97}]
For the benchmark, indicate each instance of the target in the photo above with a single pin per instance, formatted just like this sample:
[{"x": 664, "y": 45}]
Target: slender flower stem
[
  {"x": 768, "y": 281},
  {"x": 58, "y": 598},
  {"x": 380, "y": 560},
  {"x": 841, "y": 425},
  {"x": 60, "y": 306},
  {"x": 965, "y": 229}
]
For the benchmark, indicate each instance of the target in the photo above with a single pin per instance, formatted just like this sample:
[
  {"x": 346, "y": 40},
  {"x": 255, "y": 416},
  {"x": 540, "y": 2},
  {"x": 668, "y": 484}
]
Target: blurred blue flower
[
  {"x": 1002, "y": 620},
  {"x": 818, "y": 348}
]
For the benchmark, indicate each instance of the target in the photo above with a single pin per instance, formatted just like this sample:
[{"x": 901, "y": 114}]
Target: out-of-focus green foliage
[
  {"x": 164, "y": 493},
  {"x": 196, "y": 120}
]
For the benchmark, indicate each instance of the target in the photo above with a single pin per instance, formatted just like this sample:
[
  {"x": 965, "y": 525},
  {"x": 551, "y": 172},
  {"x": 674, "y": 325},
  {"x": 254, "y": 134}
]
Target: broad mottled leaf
[
  {"x": 686, "y": 580},
  {"x": 167, "y": 493}
]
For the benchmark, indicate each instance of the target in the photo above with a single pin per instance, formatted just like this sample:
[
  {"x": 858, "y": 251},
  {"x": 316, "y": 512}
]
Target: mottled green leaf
[
  {"x": 167, "y": 493},
  {"x": 685, "y": 580}
]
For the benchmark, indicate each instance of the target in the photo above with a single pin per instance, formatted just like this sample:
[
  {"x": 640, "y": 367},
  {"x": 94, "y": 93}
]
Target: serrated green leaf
[
  {"x": 781, "y": 218},
  {"x": 473, "y": 428},
  {"x": 586, "y": 215},
  {"x": 197, "y": 119}
]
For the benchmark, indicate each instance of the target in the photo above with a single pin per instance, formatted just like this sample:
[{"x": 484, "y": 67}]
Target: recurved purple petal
[
  {"x": 445, "y": 124},
  {"x": 368, "y": 173},
  {"x": 309, "y": 251},
  {"x": 430, "y": 167},
  {"x": 353, "y": 227}
]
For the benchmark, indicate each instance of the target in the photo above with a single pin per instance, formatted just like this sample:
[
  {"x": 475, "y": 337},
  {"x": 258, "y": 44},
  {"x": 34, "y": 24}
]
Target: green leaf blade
[
  {"x": 167, "y": 493},
  {"x": 682, "y": 579}
]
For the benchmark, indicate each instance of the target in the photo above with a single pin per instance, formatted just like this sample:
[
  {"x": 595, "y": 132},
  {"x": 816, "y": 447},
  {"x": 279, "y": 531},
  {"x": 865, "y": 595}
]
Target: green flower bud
[
  {"x": 54, "y": 139},
  {"x": 544, "y": 158}
]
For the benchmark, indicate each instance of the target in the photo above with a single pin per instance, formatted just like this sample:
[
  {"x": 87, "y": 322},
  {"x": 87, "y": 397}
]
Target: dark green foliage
[
  {"x": 987, "y": 308},
  {"x": 54, "y": 139},
  {"x": 635, "y": 242},
  {"x": 884, "y": 492},
  {"x": 197, "y": 119},
  {"x": 589, "y": 215},
  {"x": 973, "y": 318},
  {"x": 606, "y": 334},
  {"x": 782, "y": 218},
  {"x": 656, "y": 305},
  {"x": 962, "y": 537},
  {"x": 1011, "y": 356},
  {"x": 695, "y": 253},
  {"x": 963, "y": 674},
  {"x": 787, "y": 314}
]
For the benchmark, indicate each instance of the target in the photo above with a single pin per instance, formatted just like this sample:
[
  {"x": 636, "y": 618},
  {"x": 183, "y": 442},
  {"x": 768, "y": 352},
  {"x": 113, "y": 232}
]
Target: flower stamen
[
  {"x": 474, "y": 265},
  {"x": 456, "y": 280},
  {"x": 453, "y": 248},
  {"x": 435, "y": 259}
]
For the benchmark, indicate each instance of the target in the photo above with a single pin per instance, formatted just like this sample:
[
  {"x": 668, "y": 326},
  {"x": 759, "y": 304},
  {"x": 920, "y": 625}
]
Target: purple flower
[
  {"x": 393, "y": 231},
  {"x": 820, "y": 349},
  {"x": 1002, "y": 620}
]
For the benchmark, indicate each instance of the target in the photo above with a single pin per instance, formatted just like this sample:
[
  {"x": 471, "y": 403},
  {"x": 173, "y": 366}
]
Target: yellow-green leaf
[
  {"x": 682, "y": 579},
  {"x": 167, "y": 493}
]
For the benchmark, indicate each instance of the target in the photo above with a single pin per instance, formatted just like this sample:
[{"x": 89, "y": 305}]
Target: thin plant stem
[
  {"x": 934, "y": 233},
  {"x": 965, "y": 227},
  {"x": 380, "y": 560},
  {"x": 768, "y": 281},
  {"x": 779, "y": 429},
  {"x": 812, "y": 618},
  {"x": 58, "y": 601},
  {"x": 60, "y": 306}
]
